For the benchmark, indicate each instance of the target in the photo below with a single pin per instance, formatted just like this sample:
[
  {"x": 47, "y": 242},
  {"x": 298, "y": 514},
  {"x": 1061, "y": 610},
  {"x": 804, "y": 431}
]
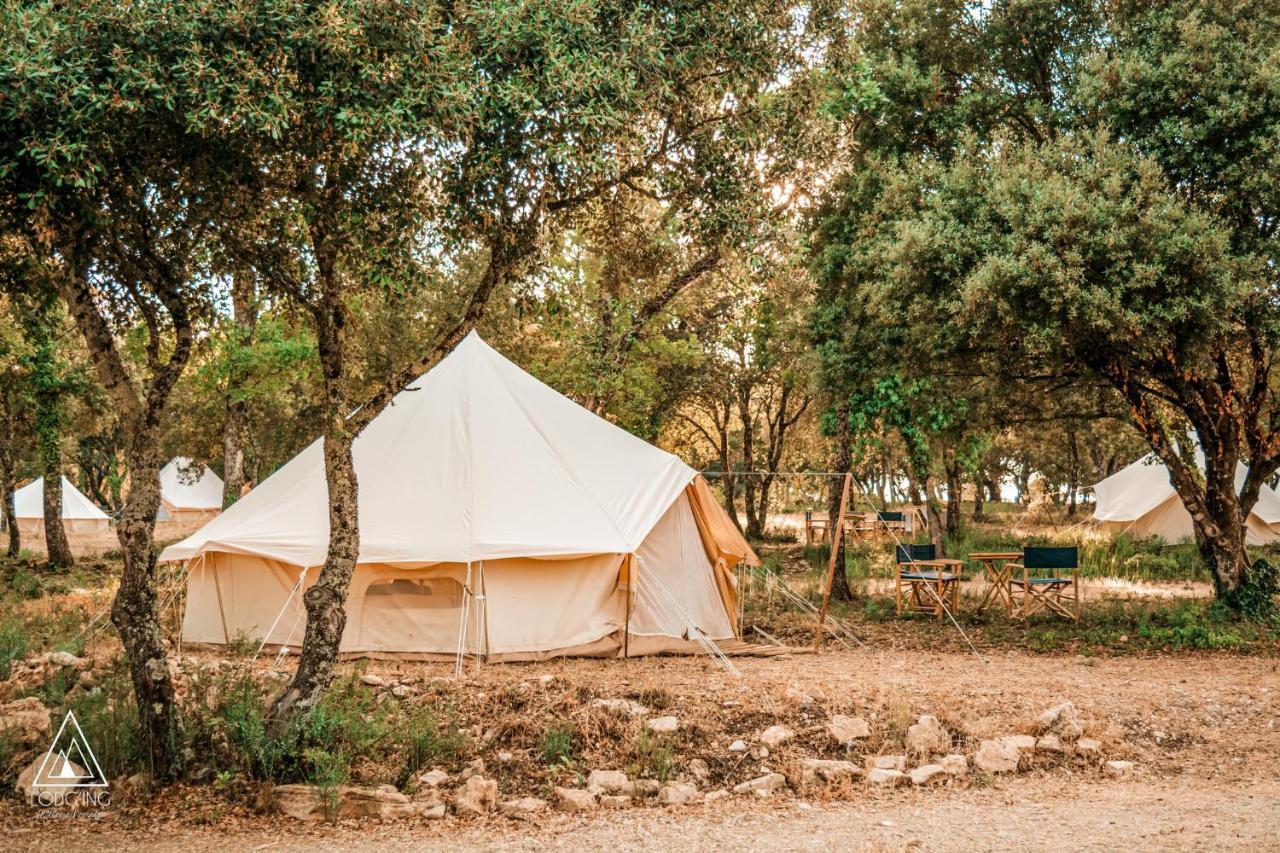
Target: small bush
[
  {"x": 557, "y": 746},
  {"x": 13, "y": 645},
  {"x": 652, "y": 755},
  {"x": 429, "y": 742}
]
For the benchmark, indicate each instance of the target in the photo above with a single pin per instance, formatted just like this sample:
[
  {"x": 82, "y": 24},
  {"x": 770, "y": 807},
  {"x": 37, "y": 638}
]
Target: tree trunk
[
  {"x": 237, "y": 409},
  {"x": 978, "y": 514},
  {"x": 955, "y": 487},
  {"x": 749, "y": 487},
  {"x": 8, "y": 476},
  {"x": 843, "y": 462},
  {"x": 133, "y": 611},
  {"x": 1073, "y": 475},
  {"x": 55, "y": 535},
  {"x": 992, "y": 485},
  {"x": 325, "y": 600}
]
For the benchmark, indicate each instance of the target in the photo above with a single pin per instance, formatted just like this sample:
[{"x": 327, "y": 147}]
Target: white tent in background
[
  {"x": 497, "y": 517},
  {"x": 1141, "y": 501},
  {"x": 79, "y": 514},
  {"x": 188, "y": 495}
]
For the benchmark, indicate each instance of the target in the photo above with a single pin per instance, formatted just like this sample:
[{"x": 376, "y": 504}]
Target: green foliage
[
  {"x": 13, "y": 644},
  {"x": 109, "y": 719},
  {"x": 652, "y": 755},
  {"x": 428, "y": 741},
  {"x": 1255, "y": 598},
  {"x": 557, "y": 746}
]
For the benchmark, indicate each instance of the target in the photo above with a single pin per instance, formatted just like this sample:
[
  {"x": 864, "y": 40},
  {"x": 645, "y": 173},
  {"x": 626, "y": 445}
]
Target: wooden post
[
  {"x": 837, "y": 534},
  {"x": 630, "y": 562}
]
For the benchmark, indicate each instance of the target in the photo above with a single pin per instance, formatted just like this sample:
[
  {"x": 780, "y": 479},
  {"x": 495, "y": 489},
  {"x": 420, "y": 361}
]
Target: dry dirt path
[{"x": 1020, "y": 815}]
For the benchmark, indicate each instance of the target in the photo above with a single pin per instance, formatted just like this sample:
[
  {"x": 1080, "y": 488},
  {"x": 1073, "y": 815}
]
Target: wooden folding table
[{"x": 997, "y": 565}]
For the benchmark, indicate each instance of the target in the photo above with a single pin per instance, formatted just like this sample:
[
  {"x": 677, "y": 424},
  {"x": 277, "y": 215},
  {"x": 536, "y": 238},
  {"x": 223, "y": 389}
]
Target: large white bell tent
[
  {"x": 187, "y": 493},
  {"x": 80, "y": 516},
  {"x": 497, "y": 517},
  {"x": 1140, "y": 500}
]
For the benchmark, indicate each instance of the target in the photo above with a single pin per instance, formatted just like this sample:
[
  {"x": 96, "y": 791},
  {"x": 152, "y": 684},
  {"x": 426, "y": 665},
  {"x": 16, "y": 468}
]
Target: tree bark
[
  {"x": 55, "y": 535},
  {"x": 237, "y": 409},
  {"x": 133, "y": 610},
  {"x": 955, "y": 485},
  {"x": 8, "y": 474},
  {"x": 749, "y": 486},
  {"x": 842, "y": 463},
  {"x": 978, "y": 507}
]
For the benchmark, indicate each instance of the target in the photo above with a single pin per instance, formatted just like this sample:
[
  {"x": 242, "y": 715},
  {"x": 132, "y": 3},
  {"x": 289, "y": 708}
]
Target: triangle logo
[{"x": 70, "y": 762}]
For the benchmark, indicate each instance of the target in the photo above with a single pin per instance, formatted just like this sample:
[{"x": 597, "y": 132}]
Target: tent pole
[
  {"x": 217, "y": 587},
  {"x": 837, "y": 536},
  {"x": 484, "y": 609},
  {"x": 626, "y": 626}
]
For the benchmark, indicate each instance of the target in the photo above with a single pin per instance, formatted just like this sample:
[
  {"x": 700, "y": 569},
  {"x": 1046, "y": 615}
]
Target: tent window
[{"x": 414, "y": 594}]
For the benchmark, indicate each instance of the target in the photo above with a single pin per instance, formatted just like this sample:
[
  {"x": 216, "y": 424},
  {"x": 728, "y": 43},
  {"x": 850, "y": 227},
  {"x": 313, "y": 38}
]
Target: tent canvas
[
  {"x": 79, "y": 514},
  {"x": 188, "y": 495},
  {"x": 1141, "y": 500},
  {"x": 496, "y": 515}
]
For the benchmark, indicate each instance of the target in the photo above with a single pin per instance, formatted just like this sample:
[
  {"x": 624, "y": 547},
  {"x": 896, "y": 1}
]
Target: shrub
[
  {"x": 652, "y": 755},
  {"x": 13, "y": 645},
  {"x": 557, "y": 746}
]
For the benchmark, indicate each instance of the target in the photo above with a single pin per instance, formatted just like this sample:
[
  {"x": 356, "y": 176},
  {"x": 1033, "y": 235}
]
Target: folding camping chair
[
  {"x": 926, "y": 579},
  {"x": 891, "y": 521},
  {"x": 1051, "y": 588},
  {"x": 815, "y": 526}
]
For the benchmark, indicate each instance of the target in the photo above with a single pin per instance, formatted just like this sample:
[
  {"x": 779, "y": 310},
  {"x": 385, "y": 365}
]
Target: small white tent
[
  {"x": 1140, "y": 500},
  {"x": 79, "y": 514},
  {"x": 497, "y": 517},
  {"x": 188, "y": 495}
]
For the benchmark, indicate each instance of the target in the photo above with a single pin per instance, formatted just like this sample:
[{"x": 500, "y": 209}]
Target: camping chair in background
[
  {"x": 1050, "y": 581},
  {"x": 926, "y": 579},
  {"x": 815, "y": 526},
  {"x": 888, "y": 522}
]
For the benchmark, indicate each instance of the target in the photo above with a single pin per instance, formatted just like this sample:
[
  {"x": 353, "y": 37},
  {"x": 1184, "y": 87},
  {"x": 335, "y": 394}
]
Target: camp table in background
[
  {"x": 996, "y": 565},
  {"x": 815, "y": 527}
]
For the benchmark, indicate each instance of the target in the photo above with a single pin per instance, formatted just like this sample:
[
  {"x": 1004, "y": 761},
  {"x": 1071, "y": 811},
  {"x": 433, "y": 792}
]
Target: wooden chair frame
[
  {"x": 1047, "y": 595},
  {"x": 927, "y": 592}
]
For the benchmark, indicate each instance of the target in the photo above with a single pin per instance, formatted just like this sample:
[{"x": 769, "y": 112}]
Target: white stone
[
  {"x": 433, "y": 778},
  {"x": 609, "y": 782},
  {"x": 65, "y": 659},
  {"x": 955, "y": 765},
  {"x": 1022, "y": 743},
  {"x": 887, "y": 762},
  {"x": 30, "y": 790},
  {"x": 928, "y": 737},
  {"x": 1061, "y": 720},
  {"x": 647, "y": 787},
  {"x": 662, "y": 725},
  {"x": 1089, "y": 748},
  {"x": 1118, "y": 769},
  {"x": 845, "y": 730},
  {"x": 775, "y": 736},
  {"x": 677, "y": 794},
  {"x": 26, "y": 722},
  {"x": 614, "y": 801},
  {"x": 622, "y": 707},
  {"x": 768, "y": 783},
  {"x": 738, "y": 746},
  {"x": 523, "y": 805},
  {"x": 574, "y": 799},
  {"x": 475, "y": 796},
  {"x": 798, "y": 696},
  {"x": 699, "y": 770},
  {"x": 313, "y": 802},
  {"x": 505, "y": 757},
  {"x": 372, "y": 680},
  {"x": 815, "y": 770},
  {"x": 718, "y": 794},
  {"x": 881, "y": 777},
  {"x": 928, "y": 773},
  {"x": 996, "y": 756},
  {"x": 1049, "y": 743}
]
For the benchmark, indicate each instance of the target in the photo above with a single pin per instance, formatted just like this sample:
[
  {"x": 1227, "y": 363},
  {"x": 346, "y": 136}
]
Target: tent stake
[{"x": 837, "y": 538}]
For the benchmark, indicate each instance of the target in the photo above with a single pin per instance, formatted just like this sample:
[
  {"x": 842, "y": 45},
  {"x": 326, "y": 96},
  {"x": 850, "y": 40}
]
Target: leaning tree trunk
[
  {"x": 1221, "y": 535},
  {"x": 134, "y": 610},
  {"x": 237, "y": 409},
  {"x": 48, "y": 429},
  {"x": 843, "y": 463},
  {"x": 325, "y": 600}
]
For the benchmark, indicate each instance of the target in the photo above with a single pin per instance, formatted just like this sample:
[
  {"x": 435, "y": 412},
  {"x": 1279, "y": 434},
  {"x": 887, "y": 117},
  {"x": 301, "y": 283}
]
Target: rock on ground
[
  {"x": 775, "y": 736},
  {"x": 997, "y": 756},
  {"x": 30, "y": 790},
  {"x": 476, "y": 796},
  {"x": 1061, "y": 720},
  {"x": 523, "y": 805},
  {"x": 574, "y": 799},
  {"x": 845, "y": 730},
  {"x": 955, "y": 765},
  {"x": 815, "y": 770},
  {"x": 927, "y": 774},
  {"x": 312, "y": 802},
  {"x": 1049, "y": 743},
  {"x": 25, "y": 723},
  {"x": 1118, "y": 769},
  {"x": 677, "y": 794},
  {"x": 699, "y": 770},
  {"x": 614, "y": 801},
  {"x": 738, "y": 746},
  {"x": 662, "y": 725},
  {"x": 624, "y": 707},
  {"x": 1089, "y": 748},
  {"x": 609, "y": 782},
  {"x": 433, "y": 778},
  {"x": 884, "y": 778},
  {"x": 768, "y": 783},
  {"x": 928, "y": 737},
  {"x": 887, "y": 762}
]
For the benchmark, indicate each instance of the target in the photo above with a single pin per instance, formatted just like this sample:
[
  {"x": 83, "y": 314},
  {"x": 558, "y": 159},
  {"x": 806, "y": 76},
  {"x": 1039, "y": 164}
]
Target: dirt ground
[{"x": 1204, "y": 732}]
